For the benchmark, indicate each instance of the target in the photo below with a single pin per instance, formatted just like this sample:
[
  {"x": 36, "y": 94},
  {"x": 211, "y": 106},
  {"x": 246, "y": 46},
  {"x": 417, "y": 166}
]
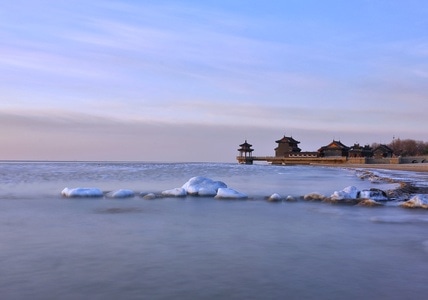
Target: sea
[{"x": 52, "y": 247}]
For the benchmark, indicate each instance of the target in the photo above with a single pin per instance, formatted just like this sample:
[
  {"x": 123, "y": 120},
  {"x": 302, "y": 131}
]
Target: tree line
[{"x": 406, "y": 147}]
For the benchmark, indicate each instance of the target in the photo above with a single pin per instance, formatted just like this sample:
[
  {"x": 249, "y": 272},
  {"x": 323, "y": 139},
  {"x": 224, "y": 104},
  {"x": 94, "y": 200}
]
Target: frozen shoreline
[{"x": 419, "y": 167}]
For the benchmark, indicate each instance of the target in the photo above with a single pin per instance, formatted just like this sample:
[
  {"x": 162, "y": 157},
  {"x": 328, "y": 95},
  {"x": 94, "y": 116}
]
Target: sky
[{"x": 189, "y": 81}]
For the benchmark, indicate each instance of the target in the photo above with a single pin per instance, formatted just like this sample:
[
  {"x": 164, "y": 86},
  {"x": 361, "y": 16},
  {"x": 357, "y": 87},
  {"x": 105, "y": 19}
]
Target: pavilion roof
[
  {"x": 334, "y": 145},
  {"x": 245, "y": 144},
  {"x": 384, "y": 148},
  {"x": 287, "y": 139}
]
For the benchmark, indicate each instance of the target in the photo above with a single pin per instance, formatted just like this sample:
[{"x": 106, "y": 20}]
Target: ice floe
[
  {"x": 81, "y": 192},
  {"x": 122, "y": 193},
  {"x": 417, "y": 201},
  {"x": 175, "y": 192},
  {"x": 206, "y": 187},
  {"x": 207, "y": 192},
  {"x": 353, "y": 193},
  {"x": 196, "y": 186},
  {"x": 350, "y": 192},
  {"x": 228, "y": 193},
  {"x": 202, "y": 186}
]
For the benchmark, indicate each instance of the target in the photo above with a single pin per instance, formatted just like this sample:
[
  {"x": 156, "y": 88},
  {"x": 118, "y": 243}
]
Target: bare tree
[{"x": 408, "y": 147}]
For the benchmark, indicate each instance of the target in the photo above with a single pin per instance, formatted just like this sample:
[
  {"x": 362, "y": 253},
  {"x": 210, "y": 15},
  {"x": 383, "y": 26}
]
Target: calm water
[{"x": 202, "y": 248}]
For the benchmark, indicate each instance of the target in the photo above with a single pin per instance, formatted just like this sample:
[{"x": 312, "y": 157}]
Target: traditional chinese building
[
  {"x": 334, "y": 149},
  {"x": 359, "y": 151},
  {"x": 286, "y": 146},
  {"x": 382, "y": 151},
  {"x": 245, "y": 149},
  {"x": 288, "y": 153}
]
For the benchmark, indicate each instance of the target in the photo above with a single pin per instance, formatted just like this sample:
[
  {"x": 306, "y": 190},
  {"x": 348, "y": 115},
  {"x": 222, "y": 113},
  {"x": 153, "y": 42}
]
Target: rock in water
[
  {"x": 290, "y": 198},
  {"x": 369, "y": 203},
  {"x": 417, "y": 201},
  {"x": 275, "y": 198},
  {"x": 149, "y": 196},
  {"x": 314, "y": 197}
]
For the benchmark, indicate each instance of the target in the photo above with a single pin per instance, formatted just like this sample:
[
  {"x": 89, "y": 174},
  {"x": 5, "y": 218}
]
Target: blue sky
[{"x": 190, "y": 80}]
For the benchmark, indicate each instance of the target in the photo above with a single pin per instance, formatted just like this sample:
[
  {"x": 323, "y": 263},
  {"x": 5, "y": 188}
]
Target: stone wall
[
  {"x": 414, "y": 159},
  {"x": 357, "y": 160},
  {"x": 386, "y": 160}
]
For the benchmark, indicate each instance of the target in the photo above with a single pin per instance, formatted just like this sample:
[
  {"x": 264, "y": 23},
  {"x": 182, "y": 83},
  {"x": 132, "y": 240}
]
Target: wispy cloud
[{"x": 127, "y": 64}]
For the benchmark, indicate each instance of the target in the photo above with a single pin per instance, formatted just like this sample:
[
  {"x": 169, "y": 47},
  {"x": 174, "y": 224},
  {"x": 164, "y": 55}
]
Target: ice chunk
[
  {"x": 176, "y": 192},
  {"x": 350, "y": 192},
  {"x": 81, "y": 192},
  {"x": 228, "y": 193},
  {"x": 207, "y": 192},
  {"x": 207, "y": 185},
  {"x": 417, "y": 201},
  {"x": 122, "y": 193}
]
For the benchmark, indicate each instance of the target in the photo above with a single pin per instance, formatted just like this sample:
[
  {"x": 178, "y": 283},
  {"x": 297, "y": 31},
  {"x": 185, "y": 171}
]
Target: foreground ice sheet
[{"x": 81, "y": 192}]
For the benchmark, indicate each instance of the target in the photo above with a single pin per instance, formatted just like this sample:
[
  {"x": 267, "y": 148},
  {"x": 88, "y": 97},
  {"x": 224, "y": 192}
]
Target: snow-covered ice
[
  {"x": 122, "y": 193},
  {"x": 175, "y": 192},
  {"x": 373, "y": 194},
  {"x": 202, "y": 186},
  {"x": 82, "y": 192},
  {"x": 350, "y": 192},
  {"x": 228, "y": 193}
]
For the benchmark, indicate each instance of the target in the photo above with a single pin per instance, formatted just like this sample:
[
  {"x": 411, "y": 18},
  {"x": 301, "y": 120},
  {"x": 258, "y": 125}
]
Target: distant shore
[{"x": 419, "y": 167}]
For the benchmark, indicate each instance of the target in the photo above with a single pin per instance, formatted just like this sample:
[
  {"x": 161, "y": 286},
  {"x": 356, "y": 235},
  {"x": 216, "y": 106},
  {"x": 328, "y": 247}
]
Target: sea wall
[
  {"x": 308, "y": 160},
  {"x": 414, "y": 159},
  {"x": 385, "y": 160}
]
